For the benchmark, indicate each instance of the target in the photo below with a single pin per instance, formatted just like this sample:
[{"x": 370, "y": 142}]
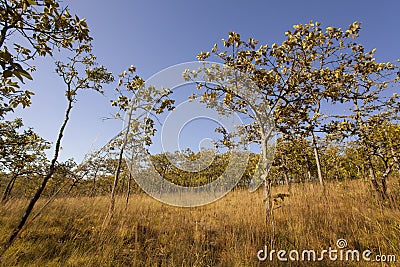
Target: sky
[{"x": 154, "y": 35}]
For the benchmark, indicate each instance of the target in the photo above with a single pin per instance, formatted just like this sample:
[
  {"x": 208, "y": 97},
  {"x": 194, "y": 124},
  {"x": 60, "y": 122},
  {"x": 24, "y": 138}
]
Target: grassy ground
[{"x": 228, "y": 232}]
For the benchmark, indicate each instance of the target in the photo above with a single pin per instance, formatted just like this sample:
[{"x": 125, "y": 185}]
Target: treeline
[{"x": 294, "y": 162}]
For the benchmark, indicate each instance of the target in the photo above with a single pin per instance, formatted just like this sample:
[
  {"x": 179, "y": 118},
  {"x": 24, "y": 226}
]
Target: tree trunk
[
  {"x": 384, "y": 179},
  {"x": 361, "y": 125},
  {"x": 93, "y": 191},
  {"x": 117, "y": 172},
  {"x": 114, "y": 187},
  {"x": 308, "y": 169},
  {"x": 289, "y": 185},
  {"x": 317, "y": 159},
  {"x": 269, "y": 209},
  {"x": 128, "y": 190},
  {"x": 46, "y": 178},
  {"x": 7, "y": 190},
  {"x": 358, "y": 171},
  {"x": 74, "y": 184},
  {"x": 373, "y": 179}
]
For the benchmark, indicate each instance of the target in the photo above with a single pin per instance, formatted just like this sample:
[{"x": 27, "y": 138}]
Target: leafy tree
[
  {"x": 288, "y": 79},
  {"x": 141, "y": 103},
  {"x": 206, "y": 172},
  {"x": 20, "y": 153},
  {"x": 293, "y": 160},
  {"x": 291, "y": 80},
  {"x": 42, "y": 26},
  {"x": 80, "y": 73},
  {"x": 383, "y": 143},
  {"x": 365, "y": 91}
]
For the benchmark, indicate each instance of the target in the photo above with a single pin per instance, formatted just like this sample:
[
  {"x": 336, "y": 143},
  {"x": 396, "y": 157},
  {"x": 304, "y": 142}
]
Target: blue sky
[{"x": 153, "y": 35}]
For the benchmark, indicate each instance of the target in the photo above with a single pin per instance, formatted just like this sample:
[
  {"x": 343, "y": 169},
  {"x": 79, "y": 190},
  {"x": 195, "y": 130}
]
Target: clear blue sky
[{"x": 153, "y": 35}]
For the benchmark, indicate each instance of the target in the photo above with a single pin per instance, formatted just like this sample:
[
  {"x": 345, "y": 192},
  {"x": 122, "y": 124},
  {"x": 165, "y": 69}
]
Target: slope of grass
[{"x": 228, "y": 232}]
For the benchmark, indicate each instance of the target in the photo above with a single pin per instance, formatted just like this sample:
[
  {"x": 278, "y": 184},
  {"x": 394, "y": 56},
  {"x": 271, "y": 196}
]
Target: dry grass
[{"x": 228, "y": 232}]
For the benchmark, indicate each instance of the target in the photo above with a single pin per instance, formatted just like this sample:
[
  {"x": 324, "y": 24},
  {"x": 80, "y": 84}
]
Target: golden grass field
[{"x": 228, "y": 232}]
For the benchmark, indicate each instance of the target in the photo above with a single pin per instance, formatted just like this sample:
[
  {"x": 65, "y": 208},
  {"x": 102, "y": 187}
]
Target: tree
[
  {"x": 367, "y": 84},
  {"x": 80, "y": 73},
  {"x": 383, "y": 143},
  {"x": 293, "y": 160},
  {"x": 289, "y": 80},
  {"x": 20, "y": 153},
  {"x": 43, "y": 26},
  {"x": 145, "y": 102}
]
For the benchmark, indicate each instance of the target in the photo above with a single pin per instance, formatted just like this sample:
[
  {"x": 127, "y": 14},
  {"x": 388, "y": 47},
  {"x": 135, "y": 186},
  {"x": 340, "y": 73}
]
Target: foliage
[
  {"x": 42, "y": 27},
  {"x": 21, "y": 154}
]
